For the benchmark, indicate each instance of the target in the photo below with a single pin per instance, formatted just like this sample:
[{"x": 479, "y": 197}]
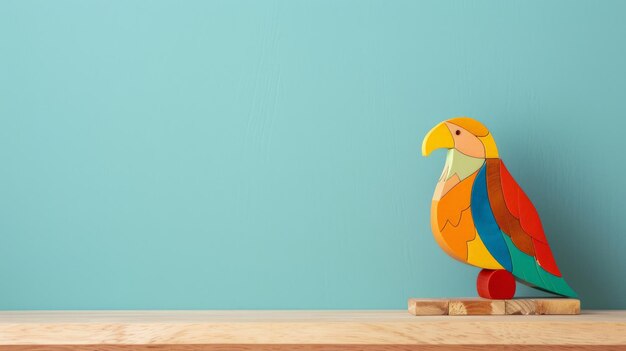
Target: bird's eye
[{"x": 458, "y": 132}]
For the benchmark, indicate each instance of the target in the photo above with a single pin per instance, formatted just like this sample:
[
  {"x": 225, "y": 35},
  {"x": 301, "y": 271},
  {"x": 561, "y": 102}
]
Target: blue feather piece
[{"x": 485, "y": 222}]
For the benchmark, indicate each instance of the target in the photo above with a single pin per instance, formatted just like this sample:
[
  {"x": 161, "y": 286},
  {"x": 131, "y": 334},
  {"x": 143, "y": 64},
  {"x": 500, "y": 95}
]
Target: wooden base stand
[{"x": 479, "y": 306}]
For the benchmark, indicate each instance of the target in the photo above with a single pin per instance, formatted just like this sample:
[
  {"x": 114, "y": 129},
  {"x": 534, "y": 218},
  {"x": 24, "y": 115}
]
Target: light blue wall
[{"x": 265, "y": 155}]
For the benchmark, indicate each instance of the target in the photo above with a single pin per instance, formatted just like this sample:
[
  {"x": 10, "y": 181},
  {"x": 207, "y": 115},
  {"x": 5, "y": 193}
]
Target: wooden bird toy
[{"x": 482, "y": 217}]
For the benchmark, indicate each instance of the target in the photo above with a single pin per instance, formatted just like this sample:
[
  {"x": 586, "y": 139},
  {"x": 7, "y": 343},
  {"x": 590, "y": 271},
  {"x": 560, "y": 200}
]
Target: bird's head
[{"x": 466, "y": 135}]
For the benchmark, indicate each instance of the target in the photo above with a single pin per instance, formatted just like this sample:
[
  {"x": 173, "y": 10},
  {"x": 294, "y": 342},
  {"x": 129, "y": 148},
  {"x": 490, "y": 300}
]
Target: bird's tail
[
  {"x": 528, "y": 271},
  {"x": 556, "y": 285}
]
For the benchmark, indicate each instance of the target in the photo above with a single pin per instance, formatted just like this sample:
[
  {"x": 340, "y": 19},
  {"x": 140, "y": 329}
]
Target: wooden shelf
[{"x": 305, "y": 330}]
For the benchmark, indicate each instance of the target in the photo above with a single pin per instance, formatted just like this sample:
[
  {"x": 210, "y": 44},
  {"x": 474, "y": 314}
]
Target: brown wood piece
[
  {"x": 557, "y": 306},
  {"x": 478, "y": 306},
  {"x": 547, "y": 306},
  {"x": 428, "y": 307},
  {"x": 521, "y": 306},
  {"x": 510, "y": 225}
]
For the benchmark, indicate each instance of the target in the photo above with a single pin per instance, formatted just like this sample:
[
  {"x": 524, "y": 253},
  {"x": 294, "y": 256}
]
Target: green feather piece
[{"x": 526, "y": 269}]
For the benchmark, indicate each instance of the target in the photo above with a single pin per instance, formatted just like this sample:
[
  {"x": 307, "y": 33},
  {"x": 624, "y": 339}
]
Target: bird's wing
[
  {"x": 517, "y": 217},
  {"x": 505, "y": 215}
]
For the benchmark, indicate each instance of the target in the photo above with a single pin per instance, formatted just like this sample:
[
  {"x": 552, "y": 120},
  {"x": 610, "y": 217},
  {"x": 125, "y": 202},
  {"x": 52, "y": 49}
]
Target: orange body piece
[{"x": 451, "y": 219}]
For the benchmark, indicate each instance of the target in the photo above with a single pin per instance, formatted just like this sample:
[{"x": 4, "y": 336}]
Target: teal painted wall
[{"x": 265, "y": 155}]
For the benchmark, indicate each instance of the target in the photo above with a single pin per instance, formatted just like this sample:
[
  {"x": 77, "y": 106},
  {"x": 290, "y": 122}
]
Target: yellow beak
[{"x": 438, "y": 137}]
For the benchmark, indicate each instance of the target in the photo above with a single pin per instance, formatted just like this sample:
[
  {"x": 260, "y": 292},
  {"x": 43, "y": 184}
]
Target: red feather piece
[
  {"x": 544, "y": 257},
  {"x": 529, "y": 218}
]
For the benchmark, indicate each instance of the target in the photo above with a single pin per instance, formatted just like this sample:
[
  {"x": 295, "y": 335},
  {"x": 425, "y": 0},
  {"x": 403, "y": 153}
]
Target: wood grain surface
[
  {"x": 304, "y": 330},
  {"x": 311, "y": 347},
  {"x": 543, "y": 306},
  {"x": 429, "y": 307},
  {"x": 479, "y": 306}
]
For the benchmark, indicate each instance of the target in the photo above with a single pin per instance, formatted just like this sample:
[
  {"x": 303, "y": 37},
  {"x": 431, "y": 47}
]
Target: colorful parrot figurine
[{"x": 481, "y": 216}]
